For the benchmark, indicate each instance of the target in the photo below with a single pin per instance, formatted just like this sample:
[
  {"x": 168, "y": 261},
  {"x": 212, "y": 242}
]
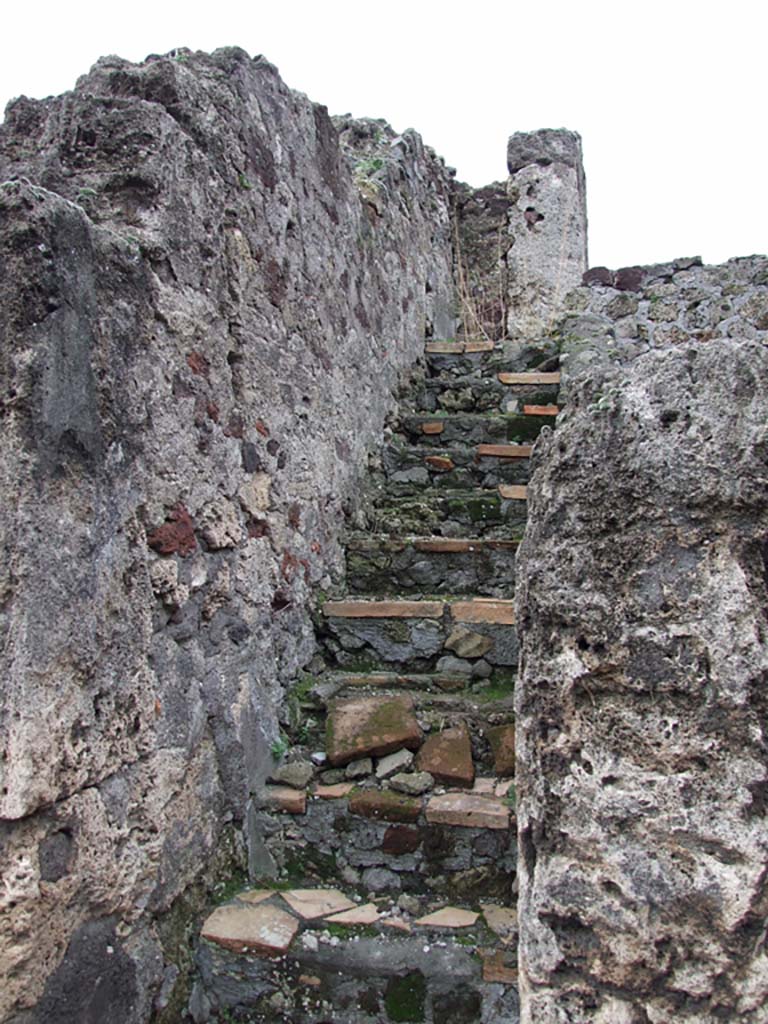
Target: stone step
[
  {"x": 470, "y": 428},
  {"x": 262, "y": 958},
  {"x": 456, "y": 843},
  {"x": 405, "y": 468},
  {"x": 378, "y": 564},
  {"x": 446, "y": 360},
  {"x": 484, "y": 393},
  {"x": 449, "y": 513},
  {"x": 457, "y": 636}
]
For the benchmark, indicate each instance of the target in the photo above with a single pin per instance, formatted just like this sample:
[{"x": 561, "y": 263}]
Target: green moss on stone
[
  {"x": 526, "y": 428},
  {"x": 405, "y": 997}
]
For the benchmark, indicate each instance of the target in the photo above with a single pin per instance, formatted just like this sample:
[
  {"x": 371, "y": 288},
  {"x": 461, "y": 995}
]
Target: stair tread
[
  {"x": 517, "y": 492},
  {"x": 530, "y": 377},
  {"x": 505, "y": 451},
  {"x": 478, "y": 609},
  {"x": 458, "y": 347},
  {"x": 541, "y": 410}
]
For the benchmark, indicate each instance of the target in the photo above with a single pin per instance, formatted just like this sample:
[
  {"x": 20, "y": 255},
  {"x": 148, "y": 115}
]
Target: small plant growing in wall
[{"x": 279, "y": 747}]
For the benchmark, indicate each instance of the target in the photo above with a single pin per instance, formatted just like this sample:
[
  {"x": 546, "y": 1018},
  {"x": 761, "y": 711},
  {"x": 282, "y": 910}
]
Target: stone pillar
[{"x": 547, "y": 226}]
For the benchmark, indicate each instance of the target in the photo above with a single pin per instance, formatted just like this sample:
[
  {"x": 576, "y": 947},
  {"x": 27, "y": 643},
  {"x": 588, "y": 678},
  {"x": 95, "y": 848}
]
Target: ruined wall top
[{"x": 545, "y": 146}]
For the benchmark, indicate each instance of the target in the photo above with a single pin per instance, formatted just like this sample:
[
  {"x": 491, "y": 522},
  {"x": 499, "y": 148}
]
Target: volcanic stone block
[{"x": 370, "y": 726}]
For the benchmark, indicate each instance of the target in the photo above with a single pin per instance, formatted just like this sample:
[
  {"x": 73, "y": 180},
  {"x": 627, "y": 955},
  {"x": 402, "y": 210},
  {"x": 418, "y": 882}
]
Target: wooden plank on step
[
  {"x": 530, "y": 378},
  {"x": 515, "y": 492},
  {"x": 432, "y": 428},
  {"x": 505, "y": 451},
  {"x": 479, "y": 346},
  {"x": 383, "y": 609},
  {"x": 448, "y": 348},
  {"x": 541, "y": 410},
  {"x": 488, "y": 610}
]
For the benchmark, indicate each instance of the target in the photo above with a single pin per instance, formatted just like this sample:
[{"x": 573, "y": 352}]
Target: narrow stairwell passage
[{"x": 389, "y": 855}]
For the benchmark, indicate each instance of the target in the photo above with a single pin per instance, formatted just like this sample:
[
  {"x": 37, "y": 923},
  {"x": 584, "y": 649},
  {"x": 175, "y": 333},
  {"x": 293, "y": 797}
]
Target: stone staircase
[{"x": 389, "y": 849}]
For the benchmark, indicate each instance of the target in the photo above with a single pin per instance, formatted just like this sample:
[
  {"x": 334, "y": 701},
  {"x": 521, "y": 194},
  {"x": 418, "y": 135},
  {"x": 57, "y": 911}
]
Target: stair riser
[
  {"x": 407, "y": 469},
  {"x": 481, "y": 395},
  {"x": 354, "y": 981},
  {"x": 484, "y": 571},
  {"x": 461, "y": 864},
  {"x": 470, "y": 430},
  {"x": 514, "y": 358},
  {"x": 477, "y": 514},
  {"x": 411, "y": 645}
]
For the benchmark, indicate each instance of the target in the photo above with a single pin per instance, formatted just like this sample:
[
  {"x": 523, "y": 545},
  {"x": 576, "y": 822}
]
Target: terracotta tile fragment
[
  {"x": 285, "y": 799},
  {"x": 311, "y": 903},
  {"x": 530, "y": 378},
  {"x": 468, "y": 810},
  {"x": 444, "y": 347},
  {"x": 479, "y": 346},
  {"x": 505, "y": 451},
  {"x": 368, "y": 913},
  {"x": 383, "y": 609},
  {"x": 433, "y": 427},
  {"x": 264, "y": 930},
  {"x": 449, "y": 917},
  {"x": 384, "y": 805},
  {"x": 255, "y": 896},
  {"x": 440, "y": 463},
  {"x": 541, "y": 410},
  {"x": 341, "y": 789},
  {"x": 449, "y": 545},
  {"x": 484, "y": 611},
  {"x": 397, "y": 922},
  {"x": 513, "y": 492}
]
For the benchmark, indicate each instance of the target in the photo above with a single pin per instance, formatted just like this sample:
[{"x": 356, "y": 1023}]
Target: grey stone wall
[
  {"x": 208, "y": 292},
  {"x": 641, "y": 709}
]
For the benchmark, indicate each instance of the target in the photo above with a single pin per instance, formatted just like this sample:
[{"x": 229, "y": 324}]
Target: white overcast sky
[{"x": 669, "y": 97}]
